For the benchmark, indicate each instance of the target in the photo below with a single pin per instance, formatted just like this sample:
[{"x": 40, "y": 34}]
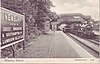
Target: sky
[{"x": 86, "y": 7}]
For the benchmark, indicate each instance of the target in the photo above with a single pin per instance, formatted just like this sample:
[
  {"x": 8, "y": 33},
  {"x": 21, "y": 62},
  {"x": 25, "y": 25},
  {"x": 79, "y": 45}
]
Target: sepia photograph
[{"x": 49, "y": 30}]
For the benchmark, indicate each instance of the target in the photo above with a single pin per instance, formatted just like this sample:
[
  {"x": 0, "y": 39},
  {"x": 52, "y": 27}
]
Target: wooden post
[
  {"x": 13, "y": 51},
  {"x": 23, "y": 45}
]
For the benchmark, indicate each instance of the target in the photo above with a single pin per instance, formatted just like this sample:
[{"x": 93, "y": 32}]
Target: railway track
[
  {"x": 93, "y": 41},
  {"x": 90, "y": 45}
]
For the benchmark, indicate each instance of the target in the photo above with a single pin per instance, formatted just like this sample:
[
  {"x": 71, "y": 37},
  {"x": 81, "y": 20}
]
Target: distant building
[{"x": 74, "y": 17}]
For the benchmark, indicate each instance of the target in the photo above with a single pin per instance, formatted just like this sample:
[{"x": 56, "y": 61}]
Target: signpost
[{"x": 12, "y": 28}]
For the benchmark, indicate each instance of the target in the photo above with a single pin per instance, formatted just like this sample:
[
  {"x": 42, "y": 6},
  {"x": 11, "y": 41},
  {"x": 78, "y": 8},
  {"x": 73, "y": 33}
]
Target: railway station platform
[{"x": 54, "y": 45}]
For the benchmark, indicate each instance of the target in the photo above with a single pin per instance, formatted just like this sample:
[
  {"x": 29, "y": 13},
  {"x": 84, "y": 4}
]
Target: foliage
[{"x": 36, "y": 12}]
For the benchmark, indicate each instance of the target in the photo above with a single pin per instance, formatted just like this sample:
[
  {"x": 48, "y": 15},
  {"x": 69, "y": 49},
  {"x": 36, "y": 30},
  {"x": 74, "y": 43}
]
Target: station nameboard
[{"x": 12, "y": 28}]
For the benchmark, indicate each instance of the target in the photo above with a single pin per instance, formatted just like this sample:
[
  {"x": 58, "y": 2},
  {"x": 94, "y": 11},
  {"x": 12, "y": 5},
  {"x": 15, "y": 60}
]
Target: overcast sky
[{"x": 86, "y": 7}]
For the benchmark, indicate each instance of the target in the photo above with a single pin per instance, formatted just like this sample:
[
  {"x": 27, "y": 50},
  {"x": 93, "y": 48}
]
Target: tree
[{"x": 36, "y": 11}]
